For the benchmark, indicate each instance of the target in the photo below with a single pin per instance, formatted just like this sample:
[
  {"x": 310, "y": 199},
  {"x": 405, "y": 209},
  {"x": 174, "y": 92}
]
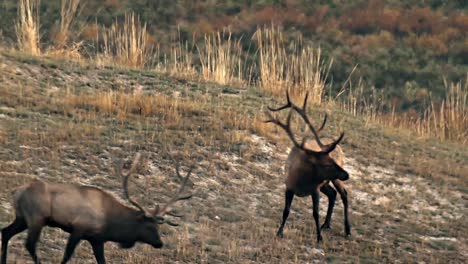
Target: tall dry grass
[
  {"x": 62, "y": 44},
  {"x": 290, "y": 65},
  {"x": 179, "y": 61},
  {"x": 127, "y": 44},
  {"x": 69, "y": 10},
  {"x": 449, "y": 119},
  {"x": 221, "y": 59},
  {"x": 445, "y": 120},
  {"x": 27, "y": 26}
]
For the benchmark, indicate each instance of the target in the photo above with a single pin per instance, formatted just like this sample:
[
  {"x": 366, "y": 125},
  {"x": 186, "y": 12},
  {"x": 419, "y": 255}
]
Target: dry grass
[
  {"x": 126, "y": 44},
  {"x": 179, "y": 62},
  {"x": 445, "y": 121},
  {"x": 63, "y": 45},
  {"x": 290, "y": 65},
  {"x": 27, "y": 27},
  {"x": 220, "y": 59},
  {"x": 69, "y": 10}
]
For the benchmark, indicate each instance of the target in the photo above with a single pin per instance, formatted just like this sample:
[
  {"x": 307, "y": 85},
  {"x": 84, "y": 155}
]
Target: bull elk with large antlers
[
  {"x": 87, "y": 213},
  {"x": 310, "y": 167}
]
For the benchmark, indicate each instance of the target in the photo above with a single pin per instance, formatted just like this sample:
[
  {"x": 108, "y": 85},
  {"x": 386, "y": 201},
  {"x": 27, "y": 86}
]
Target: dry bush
[
  {"x": 318, "y": 18},
  {"x": 220, "y": 59},
  {"x": 295, "y": 67},
  {"x": 459, "y": 20},
  {"x": 27, "y": 26},
  {"x": 127, "y": 44},
  {"x": 382, "y": 39},
  {"x": 421, "y": 20},
  {"x": 432, "y": 43},
  {"x": 389, "y": 19}
]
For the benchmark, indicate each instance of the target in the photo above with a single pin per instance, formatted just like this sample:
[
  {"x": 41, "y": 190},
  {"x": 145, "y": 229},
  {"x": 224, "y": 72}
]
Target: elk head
[{"x": 150, "y": 219}]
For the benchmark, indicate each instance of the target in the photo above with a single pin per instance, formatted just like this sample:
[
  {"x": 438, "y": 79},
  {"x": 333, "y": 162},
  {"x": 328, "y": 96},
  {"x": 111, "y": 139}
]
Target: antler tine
[
  {"x": 177, "y": 197},
  {"x": 323, "y": 123},
  {"x": 302, "y": 113},
  {"x": 332, "y": 146},
  {"x": 286, "y": 127},
  {"x": 176, "y": 162},
  {"x": 287, "y": 105},
  {"x": 126, "y": 176},
  {"x": 305, "y": 101}
]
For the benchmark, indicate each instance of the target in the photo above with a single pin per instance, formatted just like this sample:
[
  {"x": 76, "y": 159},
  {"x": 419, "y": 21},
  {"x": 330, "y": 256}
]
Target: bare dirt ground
[{"x": 408, "y": 198}]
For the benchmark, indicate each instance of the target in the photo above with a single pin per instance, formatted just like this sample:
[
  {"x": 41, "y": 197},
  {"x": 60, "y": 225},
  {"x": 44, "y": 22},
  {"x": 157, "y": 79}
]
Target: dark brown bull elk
[
  {"x": 87, "y": 213},
  {"x": 309, "y": 167}
]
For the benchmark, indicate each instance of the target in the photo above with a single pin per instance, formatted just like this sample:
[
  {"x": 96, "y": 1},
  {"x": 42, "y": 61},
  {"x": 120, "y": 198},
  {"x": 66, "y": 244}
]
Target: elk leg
[
  {"x": 344, "y": 197},
  {"x": 34, "y": 232},
  {"x": 331, "y": 194},
  {"x": 18, "y": 226},
  {"x": 73, "y": 241},
  {"x": 289, "y": 195},
  {"x": 316, "y": 202},
  {"x": 98, "y": 250}
]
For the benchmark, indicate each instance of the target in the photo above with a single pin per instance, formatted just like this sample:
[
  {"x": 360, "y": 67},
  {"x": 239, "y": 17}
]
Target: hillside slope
[{"x": 65, "y": 122}]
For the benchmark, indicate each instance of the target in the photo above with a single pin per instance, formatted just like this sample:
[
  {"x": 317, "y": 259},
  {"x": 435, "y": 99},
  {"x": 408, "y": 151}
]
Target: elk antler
[
  {"x": 286, "y": 127},
  {"x": 166, "y": 209},
  {"x": 302, "y": 112},
  {"x": 126, "y": 176}
]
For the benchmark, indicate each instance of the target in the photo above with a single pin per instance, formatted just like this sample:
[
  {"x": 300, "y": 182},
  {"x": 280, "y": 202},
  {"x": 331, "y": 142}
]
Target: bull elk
[
  {"x": 310, "y": 167},
  {"x": 87, "y": 213}
]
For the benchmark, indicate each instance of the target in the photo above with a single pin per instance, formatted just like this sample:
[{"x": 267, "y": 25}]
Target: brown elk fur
[
  {"x": 310, "y": 166},
  {"x": 339, "y": 157},
  {"x": 87, "y": 213}
]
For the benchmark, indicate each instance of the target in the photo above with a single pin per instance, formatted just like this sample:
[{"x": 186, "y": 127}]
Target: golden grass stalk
[
  {"x": 68, "y": 12},
  {"x": 220, "y": 59},
  {"x": 27, "y": 26},
  {"x": 126, "y": 44},
  {"x": 179, "y": 62},
  {"x": 445, "y": 120},
  {"x": 296, "y": 67}
]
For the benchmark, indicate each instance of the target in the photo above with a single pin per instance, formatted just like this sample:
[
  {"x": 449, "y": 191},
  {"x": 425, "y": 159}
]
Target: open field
[{"x": 63, "y": 121}]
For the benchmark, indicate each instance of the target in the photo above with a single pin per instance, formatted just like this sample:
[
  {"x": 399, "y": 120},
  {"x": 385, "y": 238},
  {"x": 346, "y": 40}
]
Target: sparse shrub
[
  {"x": 459, "y": 20},
  {"x": 421, "y": 20},
  {"x": 389, "y": 19},
  {"x": 432, "y": 43}
]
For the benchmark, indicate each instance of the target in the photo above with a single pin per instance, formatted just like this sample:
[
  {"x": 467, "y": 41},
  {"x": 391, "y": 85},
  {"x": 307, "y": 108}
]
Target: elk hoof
[
  {"x": 319, "y": 239},
  {"x": 348, "y": 231},
  {"x": 279, "y": 234}
]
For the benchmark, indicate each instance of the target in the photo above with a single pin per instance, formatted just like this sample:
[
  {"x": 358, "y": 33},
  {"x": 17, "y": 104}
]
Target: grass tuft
[
  {"x": 220, "y": 59},
  {"x": 27, "y": 27},
  {"x": 127, "y": 44},
  {"x": 297, "y": 67}
]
